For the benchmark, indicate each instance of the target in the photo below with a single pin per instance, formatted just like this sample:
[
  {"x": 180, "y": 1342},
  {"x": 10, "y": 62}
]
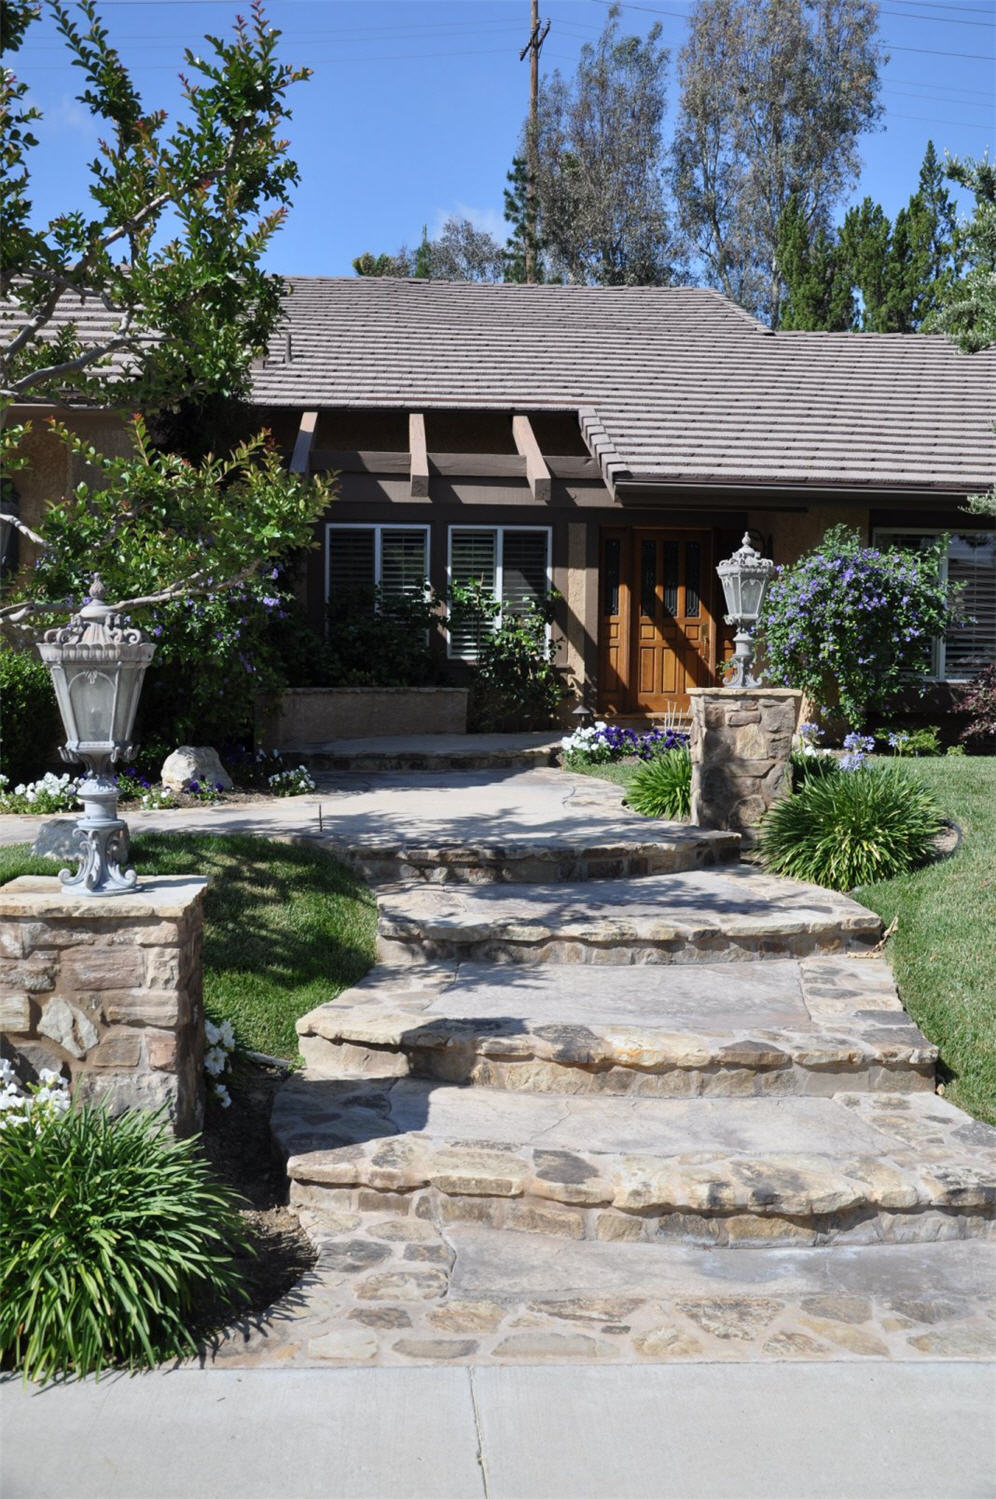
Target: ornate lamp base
[
  {"x": 743, "y": 657},
  {"x": 103, "y": 840}
]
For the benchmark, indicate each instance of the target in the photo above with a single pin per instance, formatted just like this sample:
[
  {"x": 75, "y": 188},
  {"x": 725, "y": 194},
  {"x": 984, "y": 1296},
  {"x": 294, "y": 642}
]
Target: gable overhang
[{"x": 776, "y": 495}]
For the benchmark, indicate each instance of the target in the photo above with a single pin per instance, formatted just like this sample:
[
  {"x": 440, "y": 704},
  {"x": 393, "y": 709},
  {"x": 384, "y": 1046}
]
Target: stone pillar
[
  {"x": 741, "y": 755},
  {"x": 107, "y": 989}
]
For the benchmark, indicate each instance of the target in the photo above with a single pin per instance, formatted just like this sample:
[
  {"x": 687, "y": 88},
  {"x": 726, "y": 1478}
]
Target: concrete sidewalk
[{"x": 703, "y": 1431}]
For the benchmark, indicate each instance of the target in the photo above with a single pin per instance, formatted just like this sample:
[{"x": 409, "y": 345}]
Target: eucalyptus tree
[
  {"x": 601, "y": 195},
  {"x": 774, "y": 97}
]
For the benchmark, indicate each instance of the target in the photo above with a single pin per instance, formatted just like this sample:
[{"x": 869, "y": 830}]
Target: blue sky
[{"x": 414, "y": 109}]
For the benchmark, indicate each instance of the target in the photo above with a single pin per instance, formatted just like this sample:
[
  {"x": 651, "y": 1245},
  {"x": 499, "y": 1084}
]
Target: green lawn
[
  {"x": 944, "y": 949},
  {"x": 286, "y": 927}
]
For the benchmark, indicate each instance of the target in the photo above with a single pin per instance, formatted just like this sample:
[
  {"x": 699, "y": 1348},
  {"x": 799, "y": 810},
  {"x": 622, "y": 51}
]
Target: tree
[
  {"x": 817, "y": 294},
  {"x": 870, "y": 274},
  {"x": 525, "y": 241},
  {"x": 600, "y": 164},
  {"x": 187, "y": 314},
  {"x": 198, "y": 548},
  {"x": 927, "y": 249},
  {"x": 968, "y": 314},
  {"x": 461, "y": 253},
  {"x": 774, "y": 97},
  {"x": 863, "y": 249}
]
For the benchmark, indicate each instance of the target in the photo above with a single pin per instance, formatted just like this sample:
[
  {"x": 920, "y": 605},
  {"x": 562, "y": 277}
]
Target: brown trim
[
  {"x": 536, "y": 470},
  {"x": 419, "y": 482},
  {"x": 300, "y": 461}
]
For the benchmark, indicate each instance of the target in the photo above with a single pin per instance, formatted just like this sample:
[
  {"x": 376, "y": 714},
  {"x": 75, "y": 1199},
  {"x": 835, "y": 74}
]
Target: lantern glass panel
[
  {"x": 751, "y": 594},
  {"x": 129, "y": 688},
  {"x": 731, "y": 590},
  {"x": 92, "y": 695}
]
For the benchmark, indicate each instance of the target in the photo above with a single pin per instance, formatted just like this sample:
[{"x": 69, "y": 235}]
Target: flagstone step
[
  {"x": 855, "y": 1168},
  {"x": 723, "y": 915},
  {"x": 427, "y": 752},
  {"x": 814, "y": 1026},
  {"x": 534, "y": 825},
  {"x": 390, "y": 1290},
  {"x": 651, "y": 848}
]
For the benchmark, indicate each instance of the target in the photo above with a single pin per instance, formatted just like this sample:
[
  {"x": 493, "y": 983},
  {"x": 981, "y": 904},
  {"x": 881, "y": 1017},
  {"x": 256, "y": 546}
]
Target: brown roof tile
[{"x": 672, "y": 385}]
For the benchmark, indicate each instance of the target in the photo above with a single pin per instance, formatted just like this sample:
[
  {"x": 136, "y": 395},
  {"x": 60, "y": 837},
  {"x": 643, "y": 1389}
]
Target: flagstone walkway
[{"x": 611, "y": 1097}]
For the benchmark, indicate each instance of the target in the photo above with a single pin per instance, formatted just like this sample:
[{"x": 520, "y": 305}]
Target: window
[
  {"x": 970, "y": 564},
  {"x": 359, "y": 559},
  {"x": 513, "y": 564}
]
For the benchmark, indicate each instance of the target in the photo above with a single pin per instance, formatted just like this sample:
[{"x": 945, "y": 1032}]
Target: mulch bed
[{"x": 237, "y": 1143}]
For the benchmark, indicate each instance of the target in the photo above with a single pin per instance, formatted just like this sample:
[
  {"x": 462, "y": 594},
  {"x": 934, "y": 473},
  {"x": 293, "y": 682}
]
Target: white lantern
[
  {"x": 745, "y": 577},
  {"x": 97, "y": 665}
]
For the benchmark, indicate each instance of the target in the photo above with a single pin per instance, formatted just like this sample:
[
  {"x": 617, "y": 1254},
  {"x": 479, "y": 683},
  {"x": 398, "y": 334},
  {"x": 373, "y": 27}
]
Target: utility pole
[{"x": 533, "y": 47}]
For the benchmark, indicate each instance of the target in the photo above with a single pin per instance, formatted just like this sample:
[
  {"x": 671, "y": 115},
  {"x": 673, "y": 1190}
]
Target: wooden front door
[{"x": 657, "y": 637}]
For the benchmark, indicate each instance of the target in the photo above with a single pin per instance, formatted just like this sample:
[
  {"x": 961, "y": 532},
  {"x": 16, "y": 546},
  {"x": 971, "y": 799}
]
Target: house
[{"x": 617, "y": 443}]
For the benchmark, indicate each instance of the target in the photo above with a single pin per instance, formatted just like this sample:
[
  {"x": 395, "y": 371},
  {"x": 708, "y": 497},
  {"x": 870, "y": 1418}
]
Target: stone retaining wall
[
  {"x": 107, "y": 990},
  {"x": 741, "y": 749}
]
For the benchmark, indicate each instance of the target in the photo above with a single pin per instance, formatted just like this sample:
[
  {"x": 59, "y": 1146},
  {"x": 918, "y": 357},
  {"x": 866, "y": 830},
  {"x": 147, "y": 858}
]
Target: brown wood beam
[
  {"x": 355, "y": 461},
  {"x": 302, "y": 446},
  {"x": 536, "y": 470},
  {"x": 420, "y": 458}
]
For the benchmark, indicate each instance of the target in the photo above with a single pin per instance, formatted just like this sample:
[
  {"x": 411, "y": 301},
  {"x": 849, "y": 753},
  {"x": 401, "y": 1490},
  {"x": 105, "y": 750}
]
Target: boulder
[
  {"x": 56, "y": 839},
  {"x": 200, "y": 764}
]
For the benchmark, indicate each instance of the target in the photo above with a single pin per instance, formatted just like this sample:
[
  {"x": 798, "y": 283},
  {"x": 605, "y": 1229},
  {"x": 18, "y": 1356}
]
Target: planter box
[{"x": 321, "y": 715}]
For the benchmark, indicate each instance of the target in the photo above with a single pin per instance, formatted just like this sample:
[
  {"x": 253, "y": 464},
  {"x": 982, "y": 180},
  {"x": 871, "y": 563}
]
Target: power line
[{"x": 653, "y": 10}]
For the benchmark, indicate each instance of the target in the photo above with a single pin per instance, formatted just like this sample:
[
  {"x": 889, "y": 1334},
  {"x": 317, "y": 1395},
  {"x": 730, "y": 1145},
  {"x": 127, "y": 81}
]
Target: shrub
[
  {"x": 113, "y": 1231},
  {"x": 663, "y": 786},
  {"x": 852, "y": 626},
  {"x": 379, "y": 640},
  {"x": 517, "y": 683},
  {"x": 841, "y": 831},
  {"x": 911, "y": 742},
  {"x": 978, "y": 699},
  {"x": 29, "y": 723}
]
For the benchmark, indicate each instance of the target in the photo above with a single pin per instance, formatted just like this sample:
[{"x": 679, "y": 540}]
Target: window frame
[
  {"x": 499, "y": 533},
  {"x": 378, "y": 528},
  {"x": 938, "y": 672}
]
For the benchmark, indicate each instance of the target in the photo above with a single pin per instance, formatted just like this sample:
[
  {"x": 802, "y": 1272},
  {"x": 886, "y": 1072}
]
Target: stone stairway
[{"x": 621, "y": 1083}]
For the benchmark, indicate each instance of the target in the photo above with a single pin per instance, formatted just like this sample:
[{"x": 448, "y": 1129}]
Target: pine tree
[{"x": 817, "y": 294}]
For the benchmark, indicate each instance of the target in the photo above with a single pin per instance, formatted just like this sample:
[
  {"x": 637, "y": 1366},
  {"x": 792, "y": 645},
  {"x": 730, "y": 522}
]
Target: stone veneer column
[
  {"x": 741, "y": 755},
  {"x": 108, "y": 990}
]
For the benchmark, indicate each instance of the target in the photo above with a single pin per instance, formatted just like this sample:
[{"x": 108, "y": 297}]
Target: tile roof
[{"x": 673, "y": 385}]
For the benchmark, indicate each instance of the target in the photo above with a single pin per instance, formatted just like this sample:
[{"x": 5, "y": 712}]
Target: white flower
[
  {"x": 222, "y": 1094},
  {"x": 212, "y": 1033},
  {"x": 215, "y": 1061},
  {"x": 227, "y": 1035}
]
